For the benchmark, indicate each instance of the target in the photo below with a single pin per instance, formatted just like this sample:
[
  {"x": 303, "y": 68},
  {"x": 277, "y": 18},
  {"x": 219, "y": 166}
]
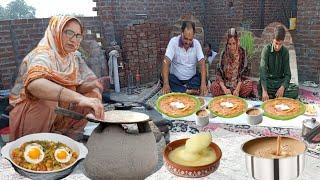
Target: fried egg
[
  {"x": 282, "y": 107},
  {"x": 226, "y": 104},
  {"x": 63, "y": 154},
  {"x": 177, "y": 105},
  {"x": 33, "y": 153}
]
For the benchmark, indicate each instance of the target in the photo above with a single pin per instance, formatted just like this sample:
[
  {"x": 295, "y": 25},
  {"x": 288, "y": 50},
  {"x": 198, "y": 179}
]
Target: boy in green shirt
[{"x": 275, "y": 71}]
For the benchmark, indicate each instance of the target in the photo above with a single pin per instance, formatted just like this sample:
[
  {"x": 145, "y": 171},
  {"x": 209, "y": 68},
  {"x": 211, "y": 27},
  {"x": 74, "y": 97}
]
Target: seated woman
[
  {"x": 232, "y": 64},
  {"x": 54, "y": 75}
]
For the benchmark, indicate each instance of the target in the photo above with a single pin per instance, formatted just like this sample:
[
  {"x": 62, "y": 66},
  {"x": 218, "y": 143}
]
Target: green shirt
[{"x": 275, "y": 67}]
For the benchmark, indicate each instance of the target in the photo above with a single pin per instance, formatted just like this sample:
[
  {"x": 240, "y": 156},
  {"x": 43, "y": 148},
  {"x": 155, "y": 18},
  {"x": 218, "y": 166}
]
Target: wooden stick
[{"x": 278, "y": 145}]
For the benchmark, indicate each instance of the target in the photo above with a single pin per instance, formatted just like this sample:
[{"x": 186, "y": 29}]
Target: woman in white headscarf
[{"x": 54, "y": 75}]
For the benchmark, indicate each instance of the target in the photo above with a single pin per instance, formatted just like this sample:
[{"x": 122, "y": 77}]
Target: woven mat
[{"x": 309, "y": 97}]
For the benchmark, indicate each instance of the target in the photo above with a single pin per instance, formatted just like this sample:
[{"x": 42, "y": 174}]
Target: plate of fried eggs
[{"x": 44, "y": 153}]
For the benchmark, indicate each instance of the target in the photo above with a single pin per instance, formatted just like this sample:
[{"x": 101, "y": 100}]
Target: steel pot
[{"x": 273, "y": 168}]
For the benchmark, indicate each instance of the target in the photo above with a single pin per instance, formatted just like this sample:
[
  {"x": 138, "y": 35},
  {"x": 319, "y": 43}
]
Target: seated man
[
  {"x": 275, "y": 71},
  {"x": 179, "y": 65},
  {"x": 209, "y": 56},
  {"x": 209, "y": 53}
]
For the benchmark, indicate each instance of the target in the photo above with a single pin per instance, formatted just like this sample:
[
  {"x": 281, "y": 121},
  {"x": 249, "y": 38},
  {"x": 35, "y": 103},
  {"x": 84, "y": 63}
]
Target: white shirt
[
  {"x": 211, "y": 58},
  {"x": 183, "y": 62}
]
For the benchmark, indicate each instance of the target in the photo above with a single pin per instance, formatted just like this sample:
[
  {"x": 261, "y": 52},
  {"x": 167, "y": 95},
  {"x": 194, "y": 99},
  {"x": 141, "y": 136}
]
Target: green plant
[{"x": 247, "y": 43}]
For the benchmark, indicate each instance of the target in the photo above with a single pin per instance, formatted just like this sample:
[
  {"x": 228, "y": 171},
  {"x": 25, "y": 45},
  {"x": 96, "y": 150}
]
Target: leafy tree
[
  {"x": 17, "y": 9},
  {"x": 2, "y": 13}
]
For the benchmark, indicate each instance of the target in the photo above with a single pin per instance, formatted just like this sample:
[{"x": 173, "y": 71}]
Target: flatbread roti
[
  {"x": 177, "y": 105},
  {"x": 283, "y": 108},
  {"x": 227, "y": 106}
]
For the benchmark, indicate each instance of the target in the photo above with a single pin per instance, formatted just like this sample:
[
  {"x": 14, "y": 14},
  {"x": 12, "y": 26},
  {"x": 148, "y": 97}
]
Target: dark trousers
[{"x": 178, "y": 85}]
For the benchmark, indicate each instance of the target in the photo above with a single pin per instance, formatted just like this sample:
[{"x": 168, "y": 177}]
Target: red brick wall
[
  {"x": 215, "y": 15},
  {"x": 219, "y": 18},
  {"x": 143, "y": 48},
  {"x": 274, "y": 11},
  {"x": 6, "y": 54},
  {"x": 277, "y": 11},
  {"x": 18, "y": 37},
  {"x": 307, "y": 40},
  {"x": 118, "y": 14},
  {"x": 252, "y": 11}
]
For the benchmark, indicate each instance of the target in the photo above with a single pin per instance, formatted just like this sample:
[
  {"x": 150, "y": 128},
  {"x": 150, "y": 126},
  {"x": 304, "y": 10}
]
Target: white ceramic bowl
[
  {"x": 254, "y": 119},
  {"x": 202, "y": 120},
  {"x": 82, "y": 151}
]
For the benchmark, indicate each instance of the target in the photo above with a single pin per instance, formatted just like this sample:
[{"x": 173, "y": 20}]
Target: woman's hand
[
  {"x": 236, "y": 92},
  {"x": 224, "y": 88},
  {"x": 265, "y": 96},
  {"x": 94, "y": 104},
  {"x": 227, "y": 91}
]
